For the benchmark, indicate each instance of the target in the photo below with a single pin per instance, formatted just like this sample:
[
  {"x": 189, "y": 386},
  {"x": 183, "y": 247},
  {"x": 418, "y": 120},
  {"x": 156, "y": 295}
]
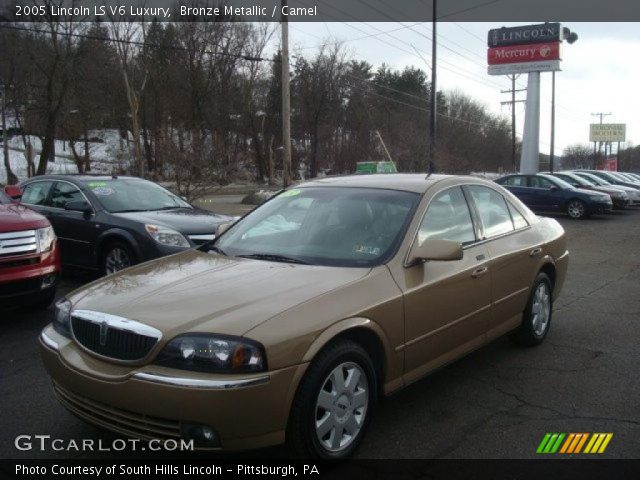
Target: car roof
[
  {"x": 409, "y": 182},
  {"x": 81, "y": 177}
]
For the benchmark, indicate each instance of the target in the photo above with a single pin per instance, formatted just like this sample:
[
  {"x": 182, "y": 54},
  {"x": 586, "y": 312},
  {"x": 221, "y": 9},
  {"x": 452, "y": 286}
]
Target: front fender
[{"x": 117, "y": 233}]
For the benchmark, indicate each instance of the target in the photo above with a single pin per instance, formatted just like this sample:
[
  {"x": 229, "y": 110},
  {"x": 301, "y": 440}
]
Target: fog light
[
  {"x": 47, "y": 281},
  {"x": 202, "y": 435}
]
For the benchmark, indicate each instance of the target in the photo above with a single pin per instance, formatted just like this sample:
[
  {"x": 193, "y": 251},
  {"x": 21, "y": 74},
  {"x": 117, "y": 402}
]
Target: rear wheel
[
  {"x": 117, "y": 256},
  {"x": 536, "y": 318},
  {"x": 577, "y": 209},
  {"x": 334, "y": 403}
]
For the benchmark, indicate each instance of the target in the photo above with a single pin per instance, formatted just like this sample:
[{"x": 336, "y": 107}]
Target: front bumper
[
  {"x": 601, "y": 207},
  {"x": 22, "y": 275},
  {"x": 246, "y": 411}
]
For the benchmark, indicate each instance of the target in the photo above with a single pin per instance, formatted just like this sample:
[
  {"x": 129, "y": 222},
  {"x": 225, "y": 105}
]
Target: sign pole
[{"x": 530, "y": 158}]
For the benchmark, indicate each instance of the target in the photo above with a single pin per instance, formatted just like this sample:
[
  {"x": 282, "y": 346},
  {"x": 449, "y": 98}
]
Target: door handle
[
  {"x": 480, "y": 271},
  {"x": 535, "y": 252}
]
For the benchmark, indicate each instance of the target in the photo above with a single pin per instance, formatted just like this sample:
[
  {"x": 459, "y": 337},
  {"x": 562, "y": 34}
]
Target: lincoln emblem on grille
[{"x": 104, "y": 328}]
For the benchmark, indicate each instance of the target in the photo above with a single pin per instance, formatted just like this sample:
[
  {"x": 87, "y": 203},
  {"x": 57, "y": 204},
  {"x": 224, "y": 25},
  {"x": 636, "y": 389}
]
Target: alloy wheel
[
  {"x": 341, "y": 406},
  {"x": 117, "y": 259},
  {"x": 576, "y": 209},
  {"x": 541, "y": 309}
]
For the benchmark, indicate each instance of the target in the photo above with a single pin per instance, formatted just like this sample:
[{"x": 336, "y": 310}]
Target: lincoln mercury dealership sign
[
  {"x": 523, "y": 49},
  {"x": 541, "y": 33}
]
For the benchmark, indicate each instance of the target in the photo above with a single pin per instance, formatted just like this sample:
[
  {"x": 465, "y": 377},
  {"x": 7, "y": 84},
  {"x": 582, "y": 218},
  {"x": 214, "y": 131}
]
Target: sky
[{"x": 600, "y": 71}]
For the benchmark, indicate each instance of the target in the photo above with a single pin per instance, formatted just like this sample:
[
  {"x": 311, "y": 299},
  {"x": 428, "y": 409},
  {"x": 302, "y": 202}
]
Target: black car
[
  {"x": 546, "y": 193},
  {"x": 108, "y": 223}
]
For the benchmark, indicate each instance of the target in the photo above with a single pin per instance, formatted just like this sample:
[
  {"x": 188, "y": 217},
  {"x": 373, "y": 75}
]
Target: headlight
[
  {"x": 46, "y": 237},
  {"x": 62, "y": 317},
  {"x": 205, "y": 352},
  {"x": 167, "y": 236}
]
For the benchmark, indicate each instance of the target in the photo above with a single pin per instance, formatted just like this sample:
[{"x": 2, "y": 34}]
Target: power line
[{"x": 138, "y": 43}]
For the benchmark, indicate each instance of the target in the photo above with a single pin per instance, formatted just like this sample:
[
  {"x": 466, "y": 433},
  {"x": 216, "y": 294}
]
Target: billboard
[
  {"x": 525, "y": 34},
  {"x": 607, "y": 132},
  {"x": 534, "y": 52},
  {"x": 524, "y": 67}
]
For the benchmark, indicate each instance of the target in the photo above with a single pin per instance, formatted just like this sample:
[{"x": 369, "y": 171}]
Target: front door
[
  {"x": 76, "y": 230},
  {"x": 446, "y": 303}
]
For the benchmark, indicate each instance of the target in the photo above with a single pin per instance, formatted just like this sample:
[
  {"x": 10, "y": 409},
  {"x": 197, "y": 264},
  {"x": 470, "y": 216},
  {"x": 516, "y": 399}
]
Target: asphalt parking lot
[{"x": 496, "y": 403}]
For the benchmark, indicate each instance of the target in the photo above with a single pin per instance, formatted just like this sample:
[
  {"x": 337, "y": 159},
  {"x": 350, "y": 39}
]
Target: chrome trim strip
[
  {"x": 17, "y": 234},
  {"x": 511, "y": 295},
  {"x": 200, "y": 383},
  {"x": 202, "y": 237},
  {"x": 48, "y": 341},
  {"x": 117, "y": 322},
  {"x": 448, "y": 325}
]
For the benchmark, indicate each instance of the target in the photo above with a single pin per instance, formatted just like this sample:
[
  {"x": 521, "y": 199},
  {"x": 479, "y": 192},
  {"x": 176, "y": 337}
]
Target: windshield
[
  {"x": 352, "y": 227},
  {"x": 593, "y": 178},
  {"x": 577, "y": 179},
  {"x": 558, "y": 181},
  {"x": 133, "y": 195}
]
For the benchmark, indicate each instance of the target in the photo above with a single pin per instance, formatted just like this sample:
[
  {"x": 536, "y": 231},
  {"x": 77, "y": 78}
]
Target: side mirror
[
  {"x": 553, "y": 188},
  {"x": 432, "y": 249},
  {"x": 78, "y": 206},
  {"x": 14, "y": 192},
  {"x": 223, "y": 227}
]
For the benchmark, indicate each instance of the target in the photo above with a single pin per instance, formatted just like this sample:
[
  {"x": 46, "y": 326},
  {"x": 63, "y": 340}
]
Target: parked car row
[
  {"x": 102, "y": 224},
  {"x": 579, "y": 193}
]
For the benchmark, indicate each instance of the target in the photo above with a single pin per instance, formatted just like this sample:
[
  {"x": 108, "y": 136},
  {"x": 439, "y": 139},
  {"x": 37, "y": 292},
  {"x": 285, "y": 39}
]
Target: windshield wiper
[{"x": 274, "y": 258}]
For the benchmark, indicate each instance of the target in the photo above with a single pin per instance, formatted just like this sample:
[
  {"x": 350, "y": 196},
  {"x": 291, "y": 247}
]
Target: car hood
[
  {"x": 206, "y": 292},
  {"x": 16, "y": 217},
  {"x": 591, "y": 192},
  {"x": 184, "y": 220}
]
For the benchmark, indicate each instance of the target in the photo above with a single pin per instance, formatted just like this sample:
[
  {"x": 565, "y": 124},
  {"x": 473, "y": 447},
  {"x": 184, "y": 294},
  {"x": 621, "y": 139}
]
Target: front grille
[
  {"x": 128, "y": 423},
  {"x": 109, "y": 341},
  {"x": 18, "y": 243},
  {"x": 21, "y": 262},
  {"x": 20, "y": 287}
]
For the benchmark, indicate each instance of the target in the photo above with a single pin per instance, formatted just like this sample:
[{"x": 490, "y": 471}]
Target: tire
[
  {"x": 576, "y": 209},
  {"x": 116, "y": 256},
  {"x": 536, "y": 318},
  {"x": 312, "y": 428}
]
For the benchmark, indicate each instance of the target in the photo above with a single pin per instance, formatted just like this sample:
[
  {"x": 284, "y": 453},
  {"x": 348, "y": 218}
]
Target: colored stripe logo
[{"x": 573, "y": 443}]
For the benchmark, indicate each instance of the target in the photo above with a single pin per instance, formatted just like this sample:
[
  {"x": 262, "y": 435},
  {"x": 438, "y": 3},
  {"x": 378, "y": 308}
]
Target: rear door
[
  {"x": 513, "y": 248},
  {"x": 446, "y": 303},
  {"x": 76, "y": 230}
]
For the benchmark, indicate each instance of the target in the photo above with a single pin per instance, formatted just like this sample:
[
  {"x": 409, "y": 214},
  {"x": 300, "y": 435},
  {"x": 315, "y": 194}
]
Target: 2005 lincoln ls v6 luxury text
[{"x": 294, "y": 320}]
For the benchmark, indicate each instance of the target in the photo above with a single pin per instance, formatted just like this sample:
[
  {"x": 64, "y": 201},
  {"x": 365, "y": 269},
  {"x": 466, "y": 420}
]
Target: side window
[
  {"x": 36, "y": 193},
  {"x": 540, "y": 182},
  {"x": 518, "y": 220},
  {"x": 64, "y": 192},
  {"x": 493, "y": 210},
  {"x": 516, "y": 182},
  {"x": 448, "y": 218}
]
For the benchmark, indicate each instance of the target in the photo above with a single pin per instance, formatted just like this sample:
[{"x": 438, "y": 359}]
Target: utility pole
[
  {"x": 286, "y": 102},
  {"x": 601, "y": 115},
  {"x": 513, "y": 102},
  {"x": 434, "y": 89}
]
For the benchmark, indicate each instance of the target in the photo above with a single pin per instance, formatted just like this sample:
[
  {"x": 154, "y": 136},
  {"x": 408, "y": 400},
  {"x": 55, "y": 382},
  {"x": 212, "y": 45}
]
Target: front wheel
[
  {"x": 117, "y": 256},
  {"x": 576, "y": 209},
  {"x": 536, "y": 318},
  {"x": 334, "y": 403}
]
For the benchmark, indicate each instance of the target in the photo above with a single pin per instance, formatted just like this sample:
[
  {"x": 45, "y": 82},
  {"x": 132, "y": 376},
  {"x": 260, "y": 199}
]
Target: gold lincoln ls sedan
[{"x": 297, "y": 317}]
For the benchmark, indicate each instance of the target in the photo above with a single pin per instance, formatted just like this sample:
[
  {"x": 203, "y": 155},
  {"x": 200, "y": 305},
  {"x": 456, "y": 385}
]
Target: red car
[{"x": 29, "y": 254}]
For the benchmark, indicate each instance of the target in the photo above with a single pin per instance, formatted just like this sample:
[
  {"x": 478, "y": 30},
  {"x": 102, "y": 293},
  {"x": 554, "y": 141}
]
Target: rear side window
[
  {"x": 518, "y": 220},
  {"x": 515, "y": 181},
  {"x": 493, "y": 210},
  {"x": 64, "y": 192},
  {"x": 448, "y": 218},
  {"x": 36, "y": 193}
]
